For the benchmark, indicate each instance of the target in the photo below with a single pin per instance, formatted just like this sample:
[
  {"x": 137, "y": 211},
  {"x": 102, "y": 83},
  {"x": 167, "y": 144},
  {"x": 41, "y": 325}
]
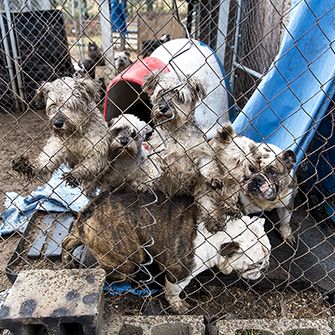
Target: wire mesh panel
[{"x": 124, "y": 147}]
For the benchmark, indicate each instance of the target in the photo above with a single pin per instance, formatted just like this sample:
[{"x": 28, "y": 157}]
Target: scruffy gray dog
[
  {"x": 98, "y": 156},
  {"x": 79, "y": 133},
  {"x": 182, "y": 161}
]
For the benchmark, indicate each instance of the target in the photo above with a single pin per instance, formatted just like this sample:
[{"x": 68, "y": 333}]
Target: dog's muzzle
[
  {"x": 164, "y": 109},
  {"x": 124, "y": 141},
  {"x": 255, "y": 271},
  {"x": 259, "y": 186}
]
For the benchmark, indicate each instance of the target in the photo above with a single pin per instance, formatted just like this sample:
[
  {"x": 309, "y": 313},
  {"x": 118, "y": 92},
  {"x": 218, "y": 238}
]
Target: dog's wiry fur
[
  {"x": 79, "y": 132},
  {"x": 121, "y": 234},
  {"x": 183, "y": 162},
  {"x": 122, "y": 60},
  {"x": 261, "y": 176}
]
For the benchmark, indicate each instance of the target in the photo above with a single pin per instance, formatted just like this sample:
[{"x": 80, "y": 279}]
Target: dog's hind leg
[{"x": 172, "y": 295}]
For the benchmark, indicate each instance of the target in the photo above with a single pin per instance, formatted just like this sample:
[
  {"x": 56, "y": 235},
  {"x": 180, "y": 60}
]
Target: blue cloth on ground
[
  {"x": 294, "y": 95},
  {"x": 119, "y": 17},
  {"x": 125, "y": 288},
  {"x": 54, "y": 196}
]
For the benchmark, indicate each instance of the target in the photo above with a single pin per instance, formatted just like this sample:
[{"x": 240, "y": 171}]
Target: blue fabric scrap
[
  {"x": 116, "y": 289},
  {"x": 54, "y": 196}
]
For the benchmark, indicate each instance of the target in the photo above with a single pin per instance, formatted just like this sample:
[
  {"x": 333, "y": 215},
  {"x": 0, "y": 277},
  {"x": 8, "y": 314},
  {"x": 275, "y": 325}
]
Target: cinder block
[
  {"x": 155, "y": 325},
  {"x": 276, "y": 327},
  {"x": 64, "y": 302}
]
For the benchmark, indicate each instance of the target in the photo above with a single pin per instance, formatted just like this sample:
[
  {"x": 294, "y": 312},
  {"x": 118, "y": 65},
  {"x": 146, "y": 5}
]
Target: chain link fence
[{"x": 126, "y": 159}]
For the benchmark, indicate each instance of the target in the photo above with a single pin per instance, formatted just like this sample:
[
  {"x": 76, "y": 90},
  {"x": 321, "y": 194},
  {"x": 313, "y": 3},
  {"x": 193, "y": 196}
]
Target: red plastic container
[{"x": 124, "y": 93}]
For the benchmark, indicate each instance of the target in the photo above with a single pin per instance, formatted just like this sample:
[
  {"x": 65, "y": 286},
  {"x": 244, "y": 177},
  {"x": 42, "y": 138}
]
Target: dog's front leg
[
  {"x": 47, "y": 162},
  {"x": 69, "y": 244},
  {"x": 87, "y": 170},
  {"x": 172, "y": 295},
  {"x": 209, "y": 210},
  {"x": 210, "y": 171},
  {"x": 285, "y": 214}
]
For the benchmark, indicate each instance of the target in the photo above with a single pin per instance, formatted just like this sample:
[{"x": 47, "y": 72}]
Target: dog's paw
[
  {"x": 287, "y": 234},
  {"x": 290, "y": 239},
  {"x": 216, "y": 184},
  {"x": 70, "y": 179},
  {"x": 180, "y": 306},
  {"x": 226, "y": 133},
  {"x": 23, "y": 166}
]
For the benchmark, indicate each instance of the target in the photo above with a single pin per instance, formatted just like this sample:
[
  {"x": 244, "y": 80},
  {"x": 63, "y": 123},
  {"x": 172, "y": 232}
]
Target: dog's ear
[
  {"x": 42, "y": 92},
  {"x": 88, "y": 87},
  {"x": 225, "y": 133},
  {"x": 229, "y": 248},
  {"x": 289, "y": 158},
  {"x": 150, "y": 82},
  {"x": 146, "y": 132},
  {"x": 197, "y": 88}
]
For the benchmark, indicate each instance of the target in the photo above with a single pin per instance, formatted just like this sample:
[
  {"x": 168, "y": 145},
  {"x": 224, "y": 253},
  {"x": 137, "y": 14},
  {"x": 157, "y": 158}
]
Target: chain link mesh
[{"x": 170, "y": 218}]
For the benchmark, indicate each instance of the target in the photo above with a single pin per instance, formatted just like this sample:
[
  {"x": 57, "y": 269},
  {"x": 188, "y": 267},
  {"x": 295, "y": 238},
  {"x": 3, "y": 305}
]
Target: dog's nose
[
  {"x": 58, "y": 123},
  {"x": 124, "y": 140},
  {"x": 163, "y": 108}
]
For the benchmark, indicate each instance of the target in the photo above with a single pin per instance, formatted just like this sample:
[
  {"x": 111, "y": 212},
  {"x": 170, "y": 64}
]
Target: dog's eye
[
  {"x": 133, "y": 134},
  {"x": 272, "y": 172},
  {"x": 116, "y": 130}
]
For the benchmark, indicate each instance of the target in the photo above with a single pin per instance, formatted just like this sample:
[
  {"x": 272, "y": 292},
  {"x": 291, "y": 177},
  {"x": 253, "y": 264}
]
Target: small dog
[
  {"x": 149, "y": 46},
  {"x": 79, "y": 132},
  {"x": 125, "y": 155},
  {"x": 183, "y": 162},
  {"x": 122, "y": 60},
  {"x": 270, "y": 184},
  {"x": 95, "y": 54},
  {"x": 260, "y": 176},
  {"x": 125, "y": 230}
]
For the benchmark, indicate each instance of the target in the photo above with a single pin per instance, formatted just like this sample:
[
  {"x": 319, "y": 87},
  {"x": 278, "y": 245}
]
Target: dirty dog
[
  {"x": 125, "y": 155},
  {"x": 94, "y": 53},
  {"x": 260, "y": 175},
  {"x": 182, "y": 161},
  {"x": 79, "y": 132},
  {"x": 122, "y": 231},
  {"x": 271, "y": 184},
  {"x": 122, "y": 60}
]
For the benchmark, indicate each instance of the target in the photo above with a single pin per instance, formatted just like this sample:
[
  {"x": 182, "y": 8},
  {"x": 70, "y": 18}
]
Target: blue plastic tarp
[
  {"x": 294, "y": 95},
  {"x": 118, "y": 16}
]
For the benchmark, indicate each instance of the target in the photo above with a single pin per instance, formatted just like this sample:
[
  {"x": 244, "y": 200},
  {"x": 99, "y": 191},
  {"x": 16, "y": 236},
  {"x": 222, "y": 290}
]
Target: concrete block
[
  {"x": 154, "y": 325},
  {"x": 64, "y": 302},
  {"x": 275, "y": 327}
]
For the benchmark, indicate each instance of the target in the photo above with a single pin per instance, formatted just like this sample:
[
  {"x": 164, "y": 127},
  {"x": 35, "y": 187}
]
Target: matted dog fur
[
  {"x": 182, "y": 161},
  {"x": 79, "y": 132}
]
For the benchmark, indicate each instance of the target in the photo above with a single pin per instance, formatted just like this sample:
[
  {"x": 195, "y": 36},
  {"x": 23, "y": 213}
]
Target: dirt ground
[{"x": 26, "y": 133}]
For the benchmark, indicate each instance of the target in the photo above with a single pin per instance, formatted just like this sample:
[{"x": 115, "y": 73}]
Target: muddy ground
[{"x": 26, "y": 133}]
